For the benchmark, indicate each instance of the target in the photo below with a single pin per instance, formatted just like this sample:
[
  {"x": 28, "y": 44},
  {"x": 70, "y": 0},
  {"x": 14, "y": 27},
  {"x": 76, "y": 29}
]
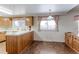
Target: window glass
[
  {"x": 47, "y": 25},
  {"x": 18, "y": 23}
]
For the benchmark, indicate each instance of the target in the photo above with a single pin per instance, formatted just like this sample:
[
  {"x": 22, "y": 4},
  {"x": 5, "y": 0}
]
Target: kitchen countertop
[{"x": 17, "y": 33}]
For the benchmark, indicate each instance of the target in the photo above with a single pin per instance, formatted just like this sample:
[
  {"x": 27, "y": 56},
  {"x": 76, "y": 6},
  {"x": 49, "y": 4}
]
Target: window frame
[
  {"x": 76, "y": 18},
  {"x": 56, "y": 18},
  {"x": 17, "y": 19}
]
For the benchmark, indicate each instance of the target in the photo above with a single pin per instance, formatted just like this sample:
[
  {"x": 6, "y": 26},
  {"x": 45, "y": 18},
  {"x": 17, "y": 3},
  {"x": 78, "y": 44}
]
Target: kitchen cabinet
[
  {"x": 68, "y": 39},
  {"x": 76, "y": 45},
  {"x": 72, "y": 41},
  {"x": 11, "y": 44},
  {"x": 2, "y": 36},
  {"x": 29, "y": 21},
  {"x": 5, "y": 22},
  {"x": 16, "y": 44}
]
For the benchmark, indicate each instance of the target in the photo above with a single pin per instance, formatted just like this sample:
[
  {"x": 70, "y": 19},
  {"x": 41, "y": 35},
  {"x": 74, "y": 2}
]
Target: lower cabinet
[
  {"x": 72, "y": 41},
  {"x": 11, "y": 44},
  {"x": 76, "y": 45},
  {"x": 2, "y": 36},
  {"x": 68, "y": 39},
  {"x": 17, "y": 44}
]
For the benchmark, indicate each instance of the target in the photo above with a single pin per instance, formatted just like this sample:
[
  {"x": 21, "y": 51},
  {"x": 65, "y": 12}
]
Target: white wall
[{"x": 66, "y": 24}]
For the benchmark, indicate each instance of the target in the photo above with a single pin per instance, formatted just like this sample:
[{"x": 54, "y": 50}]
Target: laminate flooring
[{"x": 39, "y": 47}]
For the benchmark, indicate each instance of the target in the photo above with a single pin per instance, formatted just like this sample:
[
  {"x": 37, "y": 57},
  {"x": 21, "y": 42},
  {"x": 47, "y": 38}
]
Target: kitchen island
[{"x": 17, "y": 42}]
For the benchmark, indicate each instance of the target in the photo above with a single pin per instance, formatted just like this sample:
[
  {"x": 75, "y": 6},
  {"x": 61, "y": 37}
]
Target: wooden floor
[
  {"x": 43, "y": 48},
  {"x": 49, "y": 48}
]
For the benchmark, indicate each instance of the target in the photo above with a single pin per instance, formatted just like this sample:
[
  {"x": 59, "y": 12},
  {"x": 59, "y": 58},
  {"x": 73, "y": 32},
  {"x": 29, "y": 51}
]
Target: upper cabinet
[
  {"x": 29, "y": 21},
  {"x": 5, "y": 22}
]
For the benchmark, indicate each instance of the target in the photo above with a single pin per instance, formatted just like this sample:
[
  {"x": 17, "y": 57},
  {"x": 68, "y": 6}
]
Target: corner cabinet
[{"x": 29, "y": 20}]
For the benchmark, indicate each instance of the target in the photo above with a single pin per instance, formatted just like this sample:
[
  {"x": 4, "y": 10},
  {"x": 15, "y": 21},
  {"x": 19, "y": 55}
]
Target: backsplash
[{"x": 14, "y": 29}]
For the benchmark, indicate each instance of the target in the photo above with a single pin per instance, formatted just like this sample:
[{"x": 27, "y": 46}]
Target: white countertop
[{"x": 16, "y": 33}]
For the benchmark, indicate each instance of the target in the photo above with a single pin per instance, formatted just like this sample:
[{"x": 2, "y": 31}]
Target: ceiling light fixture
[
  {"x": 5, "y": 10},
  {"x": 50, "y": 17}
]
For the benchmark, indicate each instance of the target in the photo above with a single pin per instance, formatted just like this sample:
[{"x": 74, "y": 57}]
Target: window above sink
[{"x": 18, "y": 23}]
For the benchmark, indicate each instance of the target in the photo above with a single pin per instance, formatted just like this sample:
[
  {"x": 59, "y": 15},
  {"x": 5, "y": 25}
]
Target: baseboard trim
[{"x": 48, "y": 41}]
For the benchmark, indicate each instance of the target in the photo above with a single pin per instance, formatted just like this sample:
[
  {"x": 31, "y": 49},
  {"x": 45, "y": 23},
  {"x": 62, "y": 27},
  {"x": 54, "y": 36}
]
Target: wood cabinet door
[
  {"x": 20, "y": 43},
  {"x": 5, "y": 22},
  {"x": 70, "y": 41},
  {"x": 67, "y": 41},
  {"x": 24, "y": 40},
  {"x": 2, "y": 36},
  {"x": 11, "y": 44},
  {"x": 27, "y": 40},
  {"x": 29, "y": 21},
  {"x": 76, "y": 44}
]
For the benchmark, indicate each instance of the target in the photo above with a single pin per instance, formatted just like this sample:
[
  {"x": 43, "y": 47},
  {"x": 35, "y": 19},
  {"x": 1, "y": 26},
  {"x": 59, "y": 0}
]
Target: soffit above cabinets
[{"x": 36, "y": 9}]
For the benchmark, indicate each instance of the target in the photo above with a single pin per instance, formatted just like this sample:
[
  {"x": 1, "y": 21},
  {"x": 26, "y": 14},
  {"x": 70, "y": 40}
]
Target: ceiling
[
  {"x": 76, "y": 8},
  {"x": 35, "y": 9}
]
